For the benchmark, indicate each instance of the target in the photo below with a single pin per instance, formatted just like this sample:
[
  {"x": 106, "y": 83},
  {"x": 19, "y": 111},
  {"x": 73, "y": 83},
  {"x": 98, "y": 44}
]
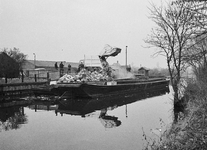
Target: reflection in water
[
  {"x": 45, "y": 106},
  {"x": 12, "y": 118},
  {"x": 84, "y": 107},
  {"x": 104, "y": 117},
  {"x": 108, "y": 121}
]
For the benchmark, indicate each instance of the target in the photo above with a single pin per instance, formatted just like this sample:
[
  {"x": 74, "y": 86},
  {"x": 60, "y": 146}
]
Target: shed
[
  {"x": 143, "y": 72},
  {"x": 8, "y": 66}
]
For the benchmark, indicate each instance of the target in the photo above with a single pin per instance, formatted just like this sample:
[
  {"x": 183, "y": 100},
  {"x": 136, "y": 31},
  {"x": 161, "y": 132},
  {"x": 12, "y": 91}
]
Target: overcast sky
[{"x": 66, "y": 30}]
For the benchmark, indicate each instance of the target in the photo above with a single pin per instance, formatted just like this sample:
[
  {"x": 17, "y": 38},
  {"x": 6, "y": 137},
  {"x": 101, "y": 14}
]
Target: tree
[
  {"x": 196, "y": 55},
  {"x": 199, "y": 8},
  {"x": 173, "y": 35},
  {"x": 12, "y": 118},
  {"x": 9, "y": 68},
  {"x": 18, "y": 56}
]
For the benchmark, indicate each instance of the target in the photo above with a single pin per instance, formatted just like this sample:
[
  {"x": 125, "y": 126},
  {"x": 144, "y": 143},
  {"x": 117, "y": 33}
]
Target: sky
[{"x": 66, "y": 30}]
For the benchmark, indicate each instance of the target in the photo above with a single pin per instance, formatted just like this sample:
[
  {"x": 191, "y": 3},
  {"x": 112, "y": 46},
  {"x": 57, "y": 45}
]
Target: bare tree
[
  {"x": 196, "y": 55},
  {"x": 18, "y": 56},
  {"x": 173, "y": 35},
  {"x": 199, "y": 8}
]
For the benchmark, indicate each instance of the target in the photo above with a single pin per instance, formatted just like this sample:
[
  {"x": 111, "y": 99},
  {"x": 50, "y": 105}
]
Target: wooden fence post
[
  {"x": 6, "y": 79},
  {"x": 48, "y": 76},
  {"x": 35, "y": 78},
  {"x": 22, "y": 76}
]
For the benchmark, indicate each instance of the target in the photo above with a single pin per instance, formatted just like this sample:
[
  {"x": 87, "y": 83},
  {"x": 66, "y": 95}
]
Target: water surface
[{"x": 116, "y": 123}]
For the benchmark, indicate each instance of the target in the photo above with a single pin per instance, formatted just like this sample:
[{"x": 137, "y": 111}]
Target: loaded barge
[
  {"x": 101, "y": 88},
  {"x": 106, "y": 82}
]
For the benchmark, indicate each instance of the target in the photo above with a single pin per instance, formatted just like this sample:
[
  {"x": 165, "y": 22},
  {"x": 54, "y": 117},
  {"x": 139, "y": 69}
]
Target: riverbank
[
  {"x": 190, "y": 130},
  {"x": 15, "y": 87},
  {"x": 19, "y": 80}
]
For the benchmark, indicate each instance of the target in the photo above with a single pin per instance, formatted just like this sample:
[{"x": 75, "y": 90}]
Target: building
[
  {"x": 9, "y": 68},
  {"x": 91, "y": 62},
  {"x": 42, "y": 68},
  {"x": 143, "y": 72},
  {"x": 48, "y": 65}
]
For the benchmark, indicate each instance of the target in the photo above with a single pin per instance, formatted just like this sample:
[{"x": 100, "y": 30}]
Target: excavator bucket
[{"x": 110, "y": 51}]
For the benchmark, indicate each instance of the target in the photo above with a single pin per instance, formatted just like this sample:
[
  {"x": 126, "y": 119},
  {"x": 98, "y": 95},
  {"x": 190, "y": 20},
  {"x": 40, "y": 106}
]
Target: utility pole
[
  {"x": 126, "y": 57},
  {"x": 34, "y": 59}
]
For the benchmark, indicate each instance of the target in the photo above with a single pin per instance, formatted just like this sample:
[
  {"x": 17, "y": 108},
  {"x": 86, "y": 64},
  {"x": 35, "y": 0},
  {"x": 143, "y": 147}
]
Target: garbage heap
[
  {"x": 85, "y": 76},
  {"x": 106, "y": 74}
]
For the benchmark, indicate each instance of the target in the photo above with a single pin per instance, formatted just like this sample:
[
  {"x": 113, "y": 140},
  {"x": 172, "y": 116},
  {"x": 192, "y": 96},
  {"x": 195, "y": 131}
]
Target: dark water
[{"x": 107, "y": 123}]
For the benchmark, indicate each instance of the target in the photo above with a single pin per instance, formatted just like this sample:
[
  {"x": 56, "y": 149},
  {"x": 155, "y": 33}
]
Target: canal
[{"x": 105, "y": 123}]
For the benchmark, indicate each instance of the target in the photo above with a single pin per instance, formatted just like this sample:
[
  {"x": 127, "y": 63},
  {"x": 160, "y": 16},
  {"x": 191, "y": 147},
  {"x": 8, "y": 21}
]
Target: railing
[{"x": 14, "y": 89}]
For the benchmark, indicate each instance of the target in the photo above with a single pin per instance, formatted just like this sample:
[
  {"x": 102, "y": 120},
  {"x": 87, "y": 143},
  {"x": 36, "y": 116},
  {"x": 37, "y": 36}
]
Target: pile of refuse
[
  {"x": 101, "y": 75},
  {"x": 84, "y": 76}
]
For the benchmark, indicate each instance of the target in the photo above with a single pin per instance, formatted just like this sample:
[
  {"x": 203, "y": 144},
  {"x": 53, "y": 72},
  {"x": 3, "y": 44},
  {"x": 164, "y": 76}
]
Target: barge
[{"x": 112, "y": 88}]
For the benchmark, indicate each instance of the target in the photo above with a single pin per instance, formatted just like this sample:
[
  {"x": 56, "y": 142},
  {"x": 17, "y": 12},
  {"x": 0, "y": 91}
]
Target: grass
[{"x": 190, "y": 130}]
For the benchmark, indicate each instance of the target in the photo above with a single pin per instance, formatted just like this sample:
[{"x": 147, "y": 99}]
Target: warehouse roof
[{"x": 43, "y": 63}]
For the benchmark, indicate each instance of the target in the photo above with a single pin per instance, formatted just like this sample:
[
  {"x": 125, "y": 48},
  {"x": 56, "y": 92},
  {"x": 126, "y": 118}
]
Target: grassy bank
[{"x": 189, "y": 132}]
